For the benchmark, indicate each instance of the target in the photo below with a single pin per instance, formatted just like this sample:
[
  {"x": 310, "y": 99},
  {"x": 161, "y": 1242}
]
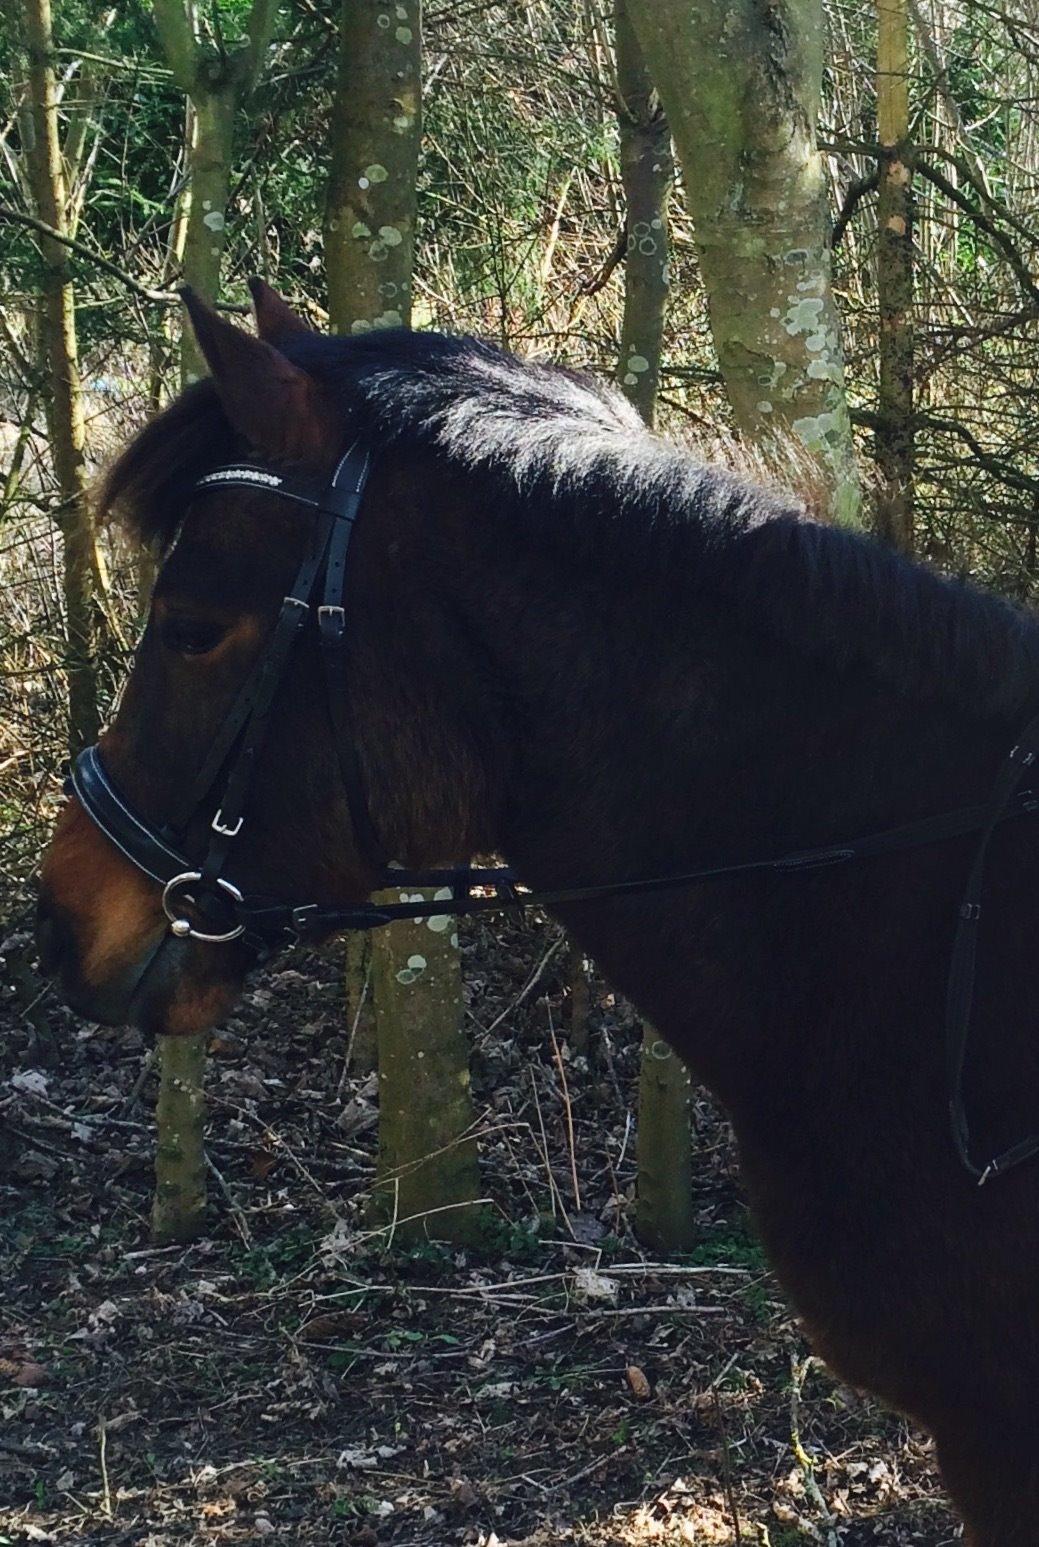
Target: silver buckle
[
  {"x": 182, "y": 927},
  {"x": 218, "y": 825},
  {"x": 326, "y": 611}
]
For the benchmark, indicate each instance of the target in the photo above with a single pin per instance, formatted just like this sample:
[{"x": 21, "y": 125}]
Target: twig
[
  {"x": 353, "y": 1028},
  {"x": 530, "y": 984},
  {"x": 799, "y": 1369},
  {"x": 567, "y": 1109},
  {"x": 241, "y": 1223},
  {"x": 730, "y": 1497},
  {"x": 160, "y": 297},
  {"x": 147, "y": 1065},
  {"x": 102, "y": 1447}
]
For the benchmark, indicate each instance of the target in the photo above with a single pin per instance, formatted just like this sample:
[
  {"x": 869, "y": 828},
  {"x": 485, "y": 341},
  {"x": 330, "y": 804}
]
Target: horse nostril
[{"x": 52, "y": 936}]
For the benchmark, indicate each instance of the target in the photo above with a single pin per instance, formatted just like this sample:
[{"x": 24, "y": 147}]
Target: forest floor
[{"x": 294, "y": 1377}]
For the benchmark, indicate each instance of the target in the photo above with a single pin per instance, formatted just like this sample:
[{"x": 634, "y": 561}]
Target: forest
[{"x": 433, "y": 1239}]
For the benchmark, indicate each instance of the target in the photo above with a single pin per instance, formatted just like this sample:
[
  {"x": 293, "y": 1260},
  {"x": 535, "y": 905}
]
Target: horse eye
[{"x": 191, "y": 636}]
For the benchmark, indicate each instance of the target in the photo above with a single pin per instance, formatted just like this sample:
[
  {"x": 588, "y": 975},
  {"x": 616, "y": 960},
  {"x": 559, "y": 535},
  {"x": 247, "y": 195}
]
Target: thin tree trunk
[
  {"x": 647, "y": 173},
  {"x": 63, "y": 404},
  {"x": 179, "y": 1206},
  {"x": 427, "y": 1164},
  {"x": 664, "y": 1212},
  {"x": 664, "y": 1216},
  {"x": 894, "y": 434},
  {"x": 740, "y": 83},
  {"x": 375, "y": 129},
  {"x": 205, "y": 229},
  {"x": 214, "y": 81}
]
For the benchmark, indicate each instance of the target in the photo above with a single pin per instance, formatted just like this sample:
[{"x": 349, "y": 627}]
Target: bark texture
[
  {"x": 428, "y": 1174},
  {"x": 376, "y": 127},
  {"x": 894, "y": 434},
  {"x": 179, "y": 1205},
  {"x": 647, "y": 172},
  {"x": 216, "y": 80},
  {"x": 664, "y": 1213},
  {"x": 64, "y": 406},
  {"x": 740, "y": 83}
]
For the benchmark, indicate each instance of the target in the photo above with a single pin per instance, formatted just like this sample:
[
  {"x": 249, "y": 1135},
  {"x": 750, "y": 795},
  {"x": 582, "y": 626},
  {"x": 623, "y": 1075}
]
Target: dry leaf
[
  {"x": 640, "y": 1387},
  {"x": 22, "y": 1372}
]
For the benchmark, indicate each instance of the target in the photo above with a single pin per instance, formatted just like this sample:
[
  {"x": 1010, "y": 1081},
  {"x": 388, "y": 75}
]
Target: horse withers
[{"x": 574, "y": 644}]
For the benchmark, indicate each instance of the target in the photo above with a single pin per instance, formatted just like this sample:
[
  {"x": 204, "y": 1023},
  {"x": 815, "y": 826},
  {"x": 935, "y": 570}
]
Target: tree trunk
[
  {"x": 425, "y": 1108},
  {"x": 740, "y": 83},
  {"x": 428, "y": 1175},
  {"x": 375, "y": 129},
  {"x": 64, "y": 406},
  {"x": 214, "y": 80},
  {"x": 205, "y": 229},
  {"x": 178, "y": 1208},
  {"x": 894, "y": 433},
  {"x": 647, "y": 173},
  {"x": 664, "y": 1212}
]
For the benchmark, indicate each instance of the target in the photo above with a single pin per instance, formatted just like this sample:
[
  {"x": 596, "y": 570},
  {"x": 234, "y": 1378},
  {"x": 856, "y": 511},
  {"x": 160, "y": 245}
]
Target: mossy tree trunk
[
  {"x": 647, "y": 173},
  {"x": 427, "y": 1155},
  {"x": 894, "y": 433},
  {"x": 179, "y": 1204},
  {"x": 664, "y": 1210},
  {"x": 376, "y": 128},
  {"x": 740, "y": 83},
  {"x": 63, "y": 397},
  {"x": 428, "y": 1175},
  {"x": 216, "y": 79}
]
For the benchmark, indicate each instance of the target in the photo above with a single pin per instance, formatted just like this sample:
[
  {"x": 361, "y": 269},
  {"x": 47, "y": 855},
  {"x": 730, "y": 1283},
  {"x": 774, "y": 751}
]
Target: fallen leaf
[{"x": 641, "y": 1390}]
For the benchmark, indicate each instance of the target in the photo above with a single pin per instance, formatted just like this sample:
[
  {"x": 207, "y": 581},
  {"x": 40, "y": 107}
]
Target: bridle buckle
[{"x": 220, "y": 826}]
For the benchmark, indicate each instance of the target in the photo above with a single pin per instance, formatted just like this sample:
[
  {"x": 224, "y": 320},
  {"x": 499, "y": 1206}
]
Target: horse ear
[
  {"x": 277, "y": 407},
  {"x": 275, "y": 318}
]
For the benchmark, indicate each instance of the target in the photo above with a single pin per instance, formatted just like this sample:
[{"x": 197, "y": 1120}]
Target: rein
[{"x": 201, "y": 887}]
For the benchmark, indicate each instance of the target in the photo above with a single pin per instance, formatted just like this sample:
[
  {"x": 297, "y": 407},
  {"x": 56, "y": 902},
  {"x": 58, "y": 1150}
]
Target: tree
[
  {"x": 664, "y": 1211},
  {"x": 427, "y": 1152},
  {"x": 894, "y": 432},
  {"x": 376, "y": 127},
  {"x": 63, "y": 396},
  {"x": 217, "y": 77},
  {"x": 664, "y": 1216},
  {"x": 741, "y": 85},
  {"x": 647, "y": 172}
]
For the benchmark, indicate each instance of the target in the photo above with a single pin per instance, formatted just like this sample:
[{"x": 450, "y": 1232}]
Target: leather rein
[{"x": 203, "y": 887}]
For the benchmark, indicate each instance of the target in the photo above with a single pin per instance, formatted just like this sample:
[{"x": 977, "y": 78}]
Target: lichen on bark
[{"x": 741, "y": 85}]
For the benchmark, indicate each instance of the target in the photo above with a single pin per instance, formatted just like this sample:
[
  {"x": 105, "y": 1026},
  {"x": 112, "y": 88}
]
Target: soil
[{"x": 297, "y": 1377}]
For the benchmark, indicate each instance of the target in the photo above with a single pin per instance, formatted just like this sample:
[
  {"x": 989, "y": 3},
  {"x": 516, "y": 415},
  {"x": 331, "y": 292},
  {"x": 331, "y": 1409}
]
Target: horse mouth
[{"x": 158, "y": 995}]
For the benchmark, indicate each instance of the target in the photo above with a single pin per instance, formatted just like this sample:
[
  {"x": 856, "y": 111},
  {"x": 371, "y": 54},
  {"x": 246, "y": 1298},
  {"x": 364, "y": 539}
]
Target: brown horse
[{"x": 573, "y": 644}]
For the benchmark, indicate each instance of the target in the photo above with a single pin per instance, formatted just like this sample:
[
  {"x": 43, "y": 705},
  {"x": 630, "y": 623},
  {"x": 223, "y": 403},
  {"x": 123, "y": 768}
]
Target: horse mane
[{"x": 566, "y": 458}]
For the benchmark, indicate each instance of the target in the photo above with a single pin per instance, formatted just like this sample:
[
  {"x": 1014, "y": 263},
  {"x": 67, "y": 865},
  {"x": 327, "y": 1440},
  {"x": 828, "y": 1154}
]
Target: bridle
[{"x": 263, "y": 924}]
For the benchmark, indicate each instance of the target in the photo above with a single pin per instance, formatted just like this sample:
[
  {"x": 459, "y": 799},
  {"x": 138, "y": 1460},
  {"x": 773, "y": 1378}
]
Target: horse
[{"x": 577, "y": 645}]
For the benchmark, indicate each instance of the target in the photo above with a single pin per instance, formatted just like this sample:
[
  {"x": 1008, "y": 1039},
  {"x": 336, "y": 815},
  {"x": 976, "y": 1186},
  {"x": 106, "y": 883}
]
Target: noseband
[{"x": 228, "y": 913}]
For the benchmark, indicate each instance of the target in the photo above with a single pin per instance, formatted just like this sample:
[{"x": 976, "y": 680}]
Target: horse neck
[{"x": 646, "y": 731}]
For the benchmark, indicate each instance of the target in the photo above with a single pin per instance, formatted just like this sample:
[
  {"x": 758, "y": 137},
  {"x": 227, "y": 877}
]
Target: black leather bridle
[{"x": 203, "y": 886}]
